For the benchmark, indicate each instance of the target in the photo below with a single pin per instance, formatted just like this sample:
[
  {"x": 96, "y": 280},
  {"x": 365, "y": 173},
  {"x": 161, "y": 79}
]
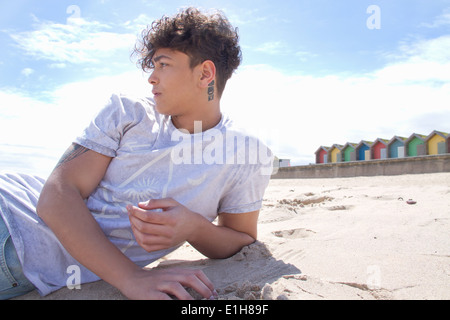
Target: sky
[{"x": 314, "y": 72}]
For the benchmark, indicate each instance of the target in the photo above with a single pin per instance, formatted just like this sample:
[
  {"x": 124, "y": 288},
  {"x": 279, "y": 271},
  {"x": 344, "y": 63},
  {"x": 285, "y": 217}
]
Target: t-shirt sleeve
[
  {"x": 104, "y": 133},
  {"x": 246, "y": 194}
]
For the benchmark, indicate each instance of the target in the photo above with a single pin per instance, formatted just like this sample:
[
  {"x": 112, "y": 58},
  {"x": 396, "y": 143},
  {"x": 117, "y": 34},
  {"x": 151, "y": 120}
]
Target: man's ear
[{"x": 208, "y": 69}]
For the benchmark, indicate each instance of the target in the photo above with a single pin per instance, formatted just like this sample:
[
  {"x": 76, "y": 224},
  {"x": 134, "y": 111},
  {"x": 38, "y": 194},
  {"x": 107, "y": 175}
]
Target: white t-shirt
[{"x": 221, "y": 170}]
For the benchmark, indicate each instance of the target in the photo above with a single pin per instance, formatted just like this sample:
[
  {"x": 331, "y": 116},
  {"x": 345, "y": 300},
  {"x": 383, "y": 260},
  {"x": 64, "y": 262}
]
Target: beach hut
[
  {"x": 348, "y": 152},
  {"x": 448, "y": 144},
  {"x": 415, "y": 145},
  {"x": 334, "y": 155},
  {"x": 322, "y": 155},
  {"x": 363, "y": 150},
  {"x": 396, "y": 147},
  {"x": 378, "y": 149},
  {"x": 436, "y": 142},
  {"x": 284, "y": 163}
]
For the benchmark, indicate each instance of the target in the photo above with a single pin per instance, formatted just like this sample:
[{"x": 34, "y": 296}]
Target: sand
[{"x": 343, "y": 238}]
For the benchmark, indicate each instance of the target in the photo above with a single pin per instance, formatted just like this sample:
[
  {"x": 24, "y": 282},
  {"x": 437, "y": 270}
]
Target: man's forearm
[
  {"x": 217, "y": 242},
  {"x": 173, "y": 224}
]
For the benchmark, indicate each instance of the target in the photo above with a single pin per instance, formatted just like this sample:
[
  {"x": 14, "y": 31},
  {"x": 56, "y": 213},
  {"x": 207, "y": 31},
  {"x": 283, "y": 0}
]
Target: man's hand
[
  {"x": 164, "y": 223},
  {"x": 166, "y": 284},
  {"x": 161, "y": 223}
]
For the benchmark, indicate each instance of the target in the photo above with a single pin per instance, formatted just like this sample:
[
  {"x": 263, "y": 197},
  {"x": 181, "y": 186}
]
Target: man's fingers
[
  {"x": 147, "y": 223},
  {"x": 198, "y": 281},
  {"x": 152, "y": 230},
  {"x": 150, "y": 235},
  {"x": 175, "y": 289},
  {"x": 154, "y": 204},
  {"x": 147, "y": 216},
  {"x": 202, "y": 276}
]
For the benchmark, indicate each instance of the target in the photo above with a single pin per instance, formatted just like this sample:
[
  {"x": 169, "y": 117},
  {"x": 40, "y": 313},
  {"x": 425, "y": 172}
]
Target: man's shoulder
[
  {"x": 235, "y": 130},
  {"x": 133, "y": 101},
  {"x": 244, "y": 146},
  {"x": 128, "y": 107}
]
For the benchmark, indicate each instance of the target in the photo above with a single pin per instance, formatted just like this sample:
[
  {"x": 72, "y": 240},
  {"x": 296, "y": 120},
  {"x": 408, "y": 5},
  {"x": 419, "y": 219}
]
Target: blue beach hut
[
  {"x": 363, "y": 150},
  {"x": 396, "y": 147}
]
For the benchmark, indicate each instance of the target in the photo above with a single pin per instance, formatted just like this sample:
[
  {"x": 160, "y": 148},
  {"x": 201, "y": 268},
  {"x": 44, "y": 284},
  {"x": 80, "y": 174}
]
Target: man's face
[{"x": 174, "y": 82}]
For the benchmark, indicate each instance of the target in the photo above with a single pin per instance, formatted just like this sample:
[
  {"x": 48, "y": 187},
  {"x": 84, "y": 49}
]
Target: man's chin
[{"x": 160, "y": 108}]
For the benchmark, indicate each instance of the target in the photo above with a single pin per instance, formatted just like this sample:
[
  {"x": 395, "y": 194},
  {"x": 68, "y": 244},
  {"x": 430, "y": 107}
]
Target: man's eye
[{"x": 159, "y": 65}]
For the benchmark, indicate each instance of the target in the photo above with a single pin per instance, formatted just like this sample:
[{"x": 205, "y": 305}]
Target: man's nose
[{"x": 152, "y": 79}]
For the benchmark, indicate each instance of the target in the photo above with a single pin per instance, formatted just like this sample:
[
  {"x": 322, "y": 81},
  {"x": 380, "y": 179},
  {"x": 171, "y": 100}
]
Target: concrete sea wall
[{"x": 397, "y": 166}]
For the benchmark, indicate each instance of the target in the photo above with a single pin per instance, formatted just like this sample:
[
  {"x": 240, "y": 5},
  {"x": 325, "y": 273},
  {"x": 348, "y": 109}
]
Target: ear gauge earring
[{"x": 211, "y": 91}]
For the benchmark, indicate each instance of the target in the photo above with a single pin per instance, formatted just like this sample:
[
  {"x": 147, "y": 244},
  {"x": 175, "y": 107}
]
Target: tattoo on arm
[{"x": 74, "y": 151}]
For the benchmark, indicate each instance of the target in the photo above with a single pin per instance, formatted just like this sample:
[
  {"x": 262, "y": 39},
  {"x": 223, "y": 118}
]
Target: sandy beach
[{"x": 343, "y": 238}]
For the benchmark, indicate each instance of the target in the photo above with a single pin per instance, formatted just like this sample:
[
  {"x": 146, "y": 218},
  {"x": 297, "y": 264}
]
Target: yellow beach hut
[
  {"x": 335, "y": 153},
  {"x": 437, "y": 142}
]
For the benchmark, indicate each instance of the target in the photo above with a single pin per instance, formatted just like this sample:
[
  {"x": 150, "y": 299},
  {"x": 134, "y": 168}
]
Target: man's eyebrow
[{"x": 160, "y": 57}]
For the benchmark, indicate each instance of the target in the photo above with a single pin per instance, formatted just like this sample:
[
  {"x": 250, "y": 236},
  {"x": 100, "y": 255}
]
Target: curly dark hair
[{"x": 199, "y": 35}]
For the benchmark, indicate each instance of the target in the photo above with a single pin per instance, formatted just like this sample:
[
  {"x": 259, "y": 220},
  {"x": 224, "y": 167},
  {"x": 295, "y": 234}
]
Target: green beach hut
[
  {"x": 349, "y": 152},
  {"x": 415, "y": 145}
]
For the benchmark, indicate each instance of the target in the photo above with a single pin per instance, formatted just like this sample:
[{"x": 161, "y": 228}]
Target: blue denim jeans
[{"x": 13, "y": 282}]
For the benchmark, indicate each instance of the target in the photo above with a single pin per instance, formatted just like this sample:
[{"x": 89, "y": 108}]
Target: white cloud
[
  {"x": 27, "y": 72},
  {"x": 22, "y": 124},
  {"x": 422, "y": 61},
  {"x": 79, "y": 41},
  {"x": 50, "y": 127},
  {"x": 244, "y": 17},
  {"x": 60, "y": 65},
  {"x": 139, "y": 23},
  {"x": 274, "y": 47},
  {"x": 303, "y": 56},
  {"x": 72, "y": 106},
  {"x": 280, "y": 48},
  {"x": 301, "y": 113},
  {"x": 439, "y": 21},
  {"x": 295, "y": 113},
  {"x": 425, "y": 50}
]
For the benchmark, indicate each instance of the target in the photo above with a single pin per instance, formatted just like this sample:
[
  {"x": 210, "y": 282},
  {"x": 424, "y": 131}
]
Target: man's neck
[{"x": 209, "y": 117}]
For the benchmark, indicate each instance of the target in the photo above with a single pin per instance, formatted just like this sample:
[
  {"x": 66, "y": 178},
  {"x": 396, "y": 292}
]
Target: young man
[{"x": 145, "y": 176}]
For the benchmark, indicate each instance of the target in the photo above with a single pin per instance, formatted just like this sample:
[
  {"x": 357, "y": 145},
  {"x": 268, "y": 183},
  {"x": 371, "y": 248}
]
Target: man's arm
[
  {"x": 232, "y": 233},
  {"x": 155, "y": 230},
  {"x": 62, "y": 207}
]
